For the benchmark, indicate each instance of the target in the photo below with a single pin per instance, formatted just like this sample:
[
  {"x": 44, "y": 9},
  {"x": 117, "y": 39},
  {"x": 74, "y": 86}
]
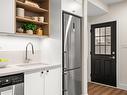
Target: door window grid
[{"x": 103, "y": 40}]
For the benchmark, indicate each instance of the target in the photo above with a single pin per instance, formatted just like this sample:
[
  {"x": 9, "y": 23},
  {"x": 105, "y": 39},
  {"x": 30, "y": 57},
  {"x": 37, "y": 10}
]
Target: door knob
[{"x": 113, "y": 52}]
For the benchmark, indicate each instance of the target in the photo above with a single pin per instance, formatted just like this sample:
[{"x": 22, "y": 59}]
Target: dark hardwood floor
[{"x": 95, "y": 89}]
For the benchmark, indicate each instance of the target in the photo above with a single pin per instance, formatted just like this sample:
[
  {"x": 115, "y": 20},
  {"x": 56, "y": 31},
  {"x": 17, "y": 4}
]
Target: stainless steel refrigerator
[{"x": 71, "y": 54}]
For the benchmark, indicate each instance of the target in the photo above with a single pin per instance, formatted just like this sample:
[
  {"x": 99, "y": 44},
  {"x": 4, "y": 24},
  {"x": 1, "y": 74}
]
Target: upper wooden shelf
[
  {"x": 30, "y": 20},
  {"x": 30, "y": 8}
]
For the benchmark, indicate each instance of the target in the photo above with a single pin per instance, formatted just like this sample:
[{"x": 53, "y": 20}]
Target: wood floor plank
[{"x": 96, "y": 89}]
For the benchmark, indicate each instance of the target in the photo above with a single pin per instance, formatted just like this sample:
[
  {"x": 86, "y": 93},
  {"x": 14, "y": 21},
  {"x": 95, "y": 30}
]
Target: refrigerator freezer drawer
[{"x": 72, "y": 82}]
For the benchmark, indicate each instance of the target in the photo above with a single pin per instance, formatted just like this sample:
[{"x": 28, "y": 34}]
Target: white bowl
[{"x": 3, "y": 64}]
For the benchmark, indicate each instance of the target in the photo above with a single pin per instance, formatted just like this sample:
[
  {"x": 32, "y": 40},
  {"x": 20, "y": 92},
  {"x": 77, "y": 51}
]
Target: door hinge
[
  {"x": 90, "y": 75},
  {"x": 90, "y": 30}
]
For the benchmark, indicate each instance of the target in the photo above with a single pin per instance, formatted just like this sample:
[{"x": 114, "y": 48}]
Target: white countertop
[{"x": 14, "y": 69}]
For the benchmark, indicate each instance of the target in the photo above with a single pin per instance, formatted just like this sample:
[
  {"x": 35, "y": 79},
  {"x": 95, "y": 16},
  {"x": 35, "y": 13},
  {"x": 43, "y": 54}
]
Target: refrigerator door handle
[
  {"x": 65, "y": 73},
  {"x": 66, "y": 32},
  {"x": 71, "y": 69}
]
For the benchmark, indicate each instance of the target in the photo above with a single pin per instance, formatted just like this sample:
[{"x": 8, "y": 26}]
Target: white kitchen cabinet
[
  {"x": 47, "y": 82},
  {"x": 34, "y": 83},
  {"x": 7, "y": 16},
  {"x": 52, "y": 82}
]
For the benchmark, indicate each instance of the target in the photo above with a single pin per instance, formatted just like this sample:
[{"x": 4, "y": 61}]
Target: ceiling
[
  {"x": 105, "y": 1},
  {"x": 109, "y": 2},
  {"x": 79, "y": 1},
  {"x": 93, "y": 10}
]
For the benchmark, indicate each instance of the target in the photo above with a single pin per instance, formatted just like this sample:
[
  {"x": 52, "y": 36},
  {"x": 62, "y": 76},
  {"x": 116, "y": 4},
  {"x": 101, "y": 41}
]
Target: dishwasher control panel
[{"x": 11, "y": 79}]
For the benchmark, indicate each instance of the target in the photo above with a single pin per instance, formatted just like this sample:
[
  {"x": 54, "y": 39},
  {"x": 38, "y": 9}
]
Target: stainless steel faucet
[{"x": 27, "y": 60}]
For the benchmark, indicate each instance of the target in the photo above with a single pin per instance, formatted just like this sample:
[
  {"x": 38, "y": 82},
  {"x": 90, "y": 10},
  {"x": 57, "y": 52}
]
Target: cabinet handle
[{"x": 42, "y": 72}]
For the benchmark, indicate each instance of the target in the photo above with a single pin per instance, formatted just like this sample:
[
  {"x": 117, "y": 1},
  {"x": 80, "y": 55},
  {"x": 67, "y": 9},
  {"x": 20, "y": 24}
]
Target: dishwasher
[{"x": 12, "y": 84}]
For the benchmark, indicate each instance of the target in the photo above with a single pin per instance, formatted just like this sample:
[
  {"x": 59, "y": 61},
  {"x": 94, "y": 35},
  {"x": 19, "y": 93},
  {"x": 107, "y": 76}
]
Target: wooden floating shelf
[
  {"x": 30, "y": 20},
  {"x": 30, "y": 8},
  {"x": 30, "y": 12}
]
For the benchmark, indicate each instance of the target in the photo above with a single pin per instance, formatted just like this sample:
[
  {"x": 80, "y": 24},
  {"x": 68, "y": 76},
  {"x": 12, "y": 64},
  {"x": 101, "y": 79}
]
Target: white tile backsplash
[{"x": 18, "y": 57}]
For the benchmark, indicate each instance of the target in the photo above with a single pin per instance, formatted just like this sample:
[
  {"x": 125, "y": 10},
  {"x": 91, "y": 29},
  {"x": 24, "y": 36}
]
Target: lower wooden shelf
[
  {"x": 23, "y": 35},
  {"x": 30, "y": 35},
  {"x": 30, "y": 20}
]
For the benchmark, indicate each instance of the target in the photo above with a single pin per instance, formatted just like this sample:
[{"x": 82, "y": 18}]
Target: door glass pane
[
  {"x": 97, "y": 50},
  {"x": 102, "y": 48},
  {"x": 102, "y": 40},
  {"x": 108, "y": 30},
  {"x": 97, "y": 40},
  {"x": 108, "y": 40},
  {"x": 108, "y": 50},
  {"x": 96, "y": 31},
  {"x": 102, "y": 31}
]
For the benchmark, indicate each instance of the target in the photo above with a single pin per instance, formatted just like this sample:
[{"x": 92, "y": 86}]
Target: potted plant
[{"x": 29, "y": 27}]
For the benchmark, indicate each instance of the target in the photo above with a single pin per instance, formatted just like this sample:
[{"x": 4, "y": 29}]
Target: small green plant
[{"x": 29, "y": 26}]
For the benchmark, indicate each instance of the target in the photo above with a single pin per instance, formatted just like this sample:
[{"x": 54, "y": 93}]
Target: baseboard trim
[{"x": 122, "y": 86}]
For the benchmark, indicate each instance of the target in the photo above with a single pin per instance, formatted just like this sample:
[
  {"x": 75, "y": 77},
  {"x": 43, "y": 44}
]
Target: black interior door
[{"x": 103, "y": 53}]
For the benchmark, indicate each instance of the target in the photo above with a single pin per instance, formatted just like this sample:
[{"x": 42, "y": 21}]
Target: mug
[
  {"x": 41, "y": 19},
  {"x": 35, "y": 18},
  {"x": 20, "y": 12}
]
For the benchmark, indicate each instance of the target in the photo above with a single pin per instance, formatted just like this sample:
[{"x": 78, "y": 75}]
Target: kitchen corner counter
[{"x": 15, "y": 69}]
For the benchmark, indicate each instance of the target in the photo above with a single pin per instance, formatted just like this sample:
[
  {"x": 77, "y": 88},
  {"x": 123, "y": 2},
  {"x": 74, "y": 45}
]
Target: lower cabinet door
[
  {"x": 53, "y": 82},
  {"x": 34, "y": 83}
]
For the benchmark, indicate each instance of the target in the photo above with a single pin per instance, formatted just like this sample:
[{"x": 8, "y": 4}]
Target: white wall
[{"x": 118, "y": 12}]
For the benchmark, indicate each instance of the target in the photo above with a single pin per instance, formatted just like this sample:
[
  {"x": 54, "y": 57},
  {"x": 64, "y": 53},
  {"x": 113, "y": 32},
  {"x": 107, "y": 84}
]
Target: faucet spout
[{"x": 26, "y": 58}]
